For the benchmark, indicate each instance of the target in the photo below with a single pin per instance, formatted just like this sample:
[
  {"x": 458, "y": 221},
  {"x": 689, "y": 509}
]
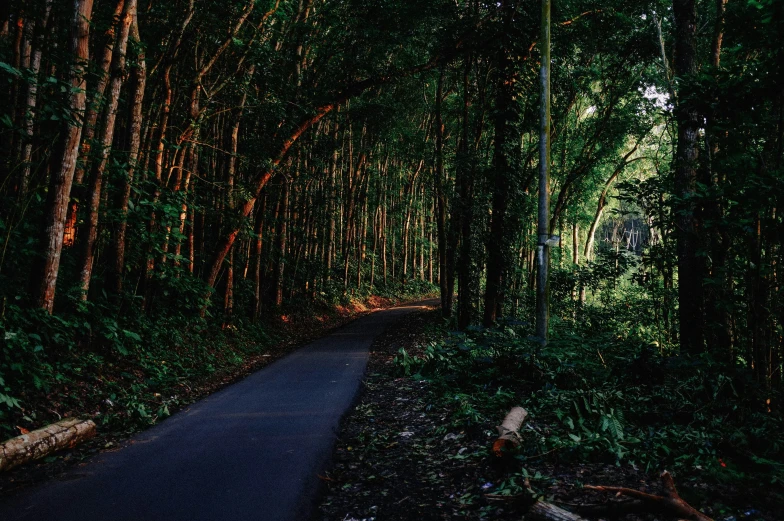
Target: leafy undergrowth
[
  {"x": 417, "y": 446},
  {"x": 142, "y": 376}
]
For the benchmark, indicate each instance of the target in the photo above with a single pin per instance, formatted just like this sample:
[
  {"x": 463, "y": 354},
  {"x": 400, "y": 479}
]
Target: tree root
[{"x": 671, "y": 503}]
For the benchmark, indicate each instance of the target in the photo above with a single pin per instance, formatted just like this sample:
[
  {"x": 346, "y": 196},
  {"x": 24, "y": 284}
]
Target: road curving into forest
[{"x": 253, "y": 450}]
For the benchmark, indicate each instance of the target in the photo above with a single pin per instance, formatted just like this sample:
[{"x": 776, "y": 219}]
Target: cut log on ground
[
  {"x": 42, "y": 442},
  {"x": 544, "y": 511},
  {"x": 671, "y": 503},
  {"x": 508, "y": 431}
]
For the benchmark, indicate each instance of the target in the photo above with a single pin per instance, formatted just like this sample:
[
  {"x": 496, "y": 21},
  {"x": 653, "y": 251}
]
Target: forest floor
[
  {"x": 117, "y": 422},
  {"x": 401, "y": 456}
]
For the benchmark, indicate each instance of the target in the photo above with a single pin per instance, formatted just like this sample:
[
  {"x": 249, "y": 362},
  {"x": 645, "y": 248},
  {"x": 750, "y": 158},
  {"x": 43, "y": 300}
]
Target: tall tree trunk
[
  {"x": 261, "y": 180},
  {"x": 118, "y": 74},
  {"x": 691, "y": 269},
  {"x": 467, "y": 290},
  {"x": 281, "y": 243},
  {"x": 576, "y": 244},
  {"x": 93, "y": 110},
  {"x": 32, "y": 101},
  {"x": 443, "y": 279},
  {"x": 718, "y": 293},
  {"x": 259, "y": 229},
  {"x": 543, "y": 227},
  {"x": 134, "y": 137},
  {"x": 28, "y": 33},
  {"x": 422, "y": 237},
  {"x": 62, "y": 178},
  {"x": 96, "y": 102},
  {"x": 228, "y": 301},
  {"x": 333, "y": 164},
  {"x": 503, "y": 170},
  {"x": 362, "y": 246}
]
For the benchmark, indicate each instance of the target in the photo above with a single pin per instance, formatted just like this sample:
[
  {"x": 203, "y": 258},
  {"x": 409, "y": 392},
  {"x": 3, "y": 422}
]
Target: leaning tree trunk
[
  {"x": 260, "y": 181},
  {"x": 96, "y": 101},
  {"x": 62, "y": 177},
  {"x": 92, "y": 112},
  {"x": 134, "y": 136},
  {"x": 118, "y": 74},
  {"x": 602, "y": 204}
]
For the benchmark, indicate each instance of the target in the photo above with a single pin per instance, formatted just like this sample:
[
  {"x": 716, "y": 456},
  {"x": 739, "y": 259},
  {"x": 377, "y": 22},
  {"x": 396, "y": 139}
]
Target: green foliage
[{"x": 604, "y": 394}]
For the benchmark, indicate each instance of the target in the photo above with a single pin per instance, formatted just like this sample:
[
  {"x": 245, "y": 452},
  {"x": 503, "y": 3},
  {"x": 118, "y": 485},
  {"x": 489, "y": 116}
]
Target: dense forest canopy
[{"x": 219, "y": 162}]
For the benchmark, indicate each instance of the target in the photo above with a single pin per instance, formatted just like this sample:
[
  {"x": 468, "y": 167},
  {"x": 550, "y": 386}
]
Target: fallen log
[
  {"x": 508, "y": 431},
  {"x": 549, "y": 512},
  {"x": 536, "y": 509},
  {"x": 671, "y": 503},
  {"x": 42, "y": 442}
]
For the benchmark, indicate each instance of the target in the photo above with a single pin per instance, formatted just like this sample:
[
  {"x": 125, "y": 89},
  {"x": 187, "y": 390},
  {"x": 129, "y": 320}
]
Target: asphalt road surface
[{"x": 250, "y": 451}]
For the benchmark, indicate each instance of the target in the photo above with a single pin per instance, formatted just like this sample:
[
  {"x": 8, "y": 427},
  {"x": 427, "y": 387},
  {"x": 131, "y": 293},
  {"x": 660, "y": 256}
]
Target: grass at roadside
[{"x": 602, "y": 411}]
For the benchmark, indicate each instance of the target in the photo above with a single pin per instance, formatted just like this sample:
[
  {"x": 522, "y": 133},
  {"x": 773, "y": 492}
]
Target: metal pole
[{"x": 543, "y": 232}]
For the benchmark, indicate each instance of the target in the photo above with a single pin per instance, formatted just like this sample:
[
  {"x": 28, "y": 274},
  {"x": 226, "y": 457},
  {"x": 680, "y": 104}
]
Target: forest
[{"x": 590, "y": 188}]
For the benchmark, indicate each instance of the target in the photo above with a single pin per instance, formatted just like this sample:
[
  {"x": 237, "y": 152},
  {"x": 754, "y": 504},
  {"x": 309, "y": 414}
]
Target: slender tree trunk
[
  {"x": 134, "y": 136},
  {"x": 576, "y": 244},
  {"x": 32, "y": 101},
  {"x": 717, "y": 294},
  {"x": 422, "y": 237},
  {"x": 543, "y": 227},
  {"x": 467, "y": 291},
  {"x": 228, "y": 301},
  {"x": 96, "y": 102},
  {"x": 333, "y": 164},
  {"x": 383, "y": 225},
  {"x": 118, "y": 74},
  {"x": 18, "y": 105},
  {"x": 281, "y": 243},
  {"x": 362, "y": 246},
  {"x": 259, "y": 228},
  {"x": 430, "y": 241},
  {"x": 443, "y": 280},
  {"x": 376, "y": 234}
]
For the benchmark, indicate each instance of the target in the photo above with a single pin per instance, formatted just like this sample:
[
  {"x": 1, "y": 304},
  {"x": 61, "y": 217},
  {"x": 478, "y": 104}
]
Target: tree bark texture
[
  {"x": 42, "y": 442},
  {"x": 691, "y": 269},
  {"x": 62, "y": 178}
]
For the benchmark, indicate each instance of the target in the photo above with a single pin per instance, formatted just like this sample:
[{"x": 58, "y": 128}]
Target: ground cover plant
[
  {"x": 129, "y": 379},
  {"x": 607, "y": 394},
  {"x": 607, "y": 406}
]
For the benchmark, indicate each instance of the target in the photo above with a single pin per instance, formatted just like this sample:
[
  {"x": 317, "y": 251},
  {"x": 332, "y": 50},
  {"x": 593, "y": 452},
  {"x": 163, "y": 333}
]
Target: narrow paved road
[{"x": 251, "y": 451}]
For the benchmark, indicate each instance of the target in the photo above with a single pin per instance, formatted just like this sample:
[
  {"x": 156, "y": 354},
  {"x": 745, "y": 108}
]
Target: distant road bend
[{"x": 250, "y": 451}]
